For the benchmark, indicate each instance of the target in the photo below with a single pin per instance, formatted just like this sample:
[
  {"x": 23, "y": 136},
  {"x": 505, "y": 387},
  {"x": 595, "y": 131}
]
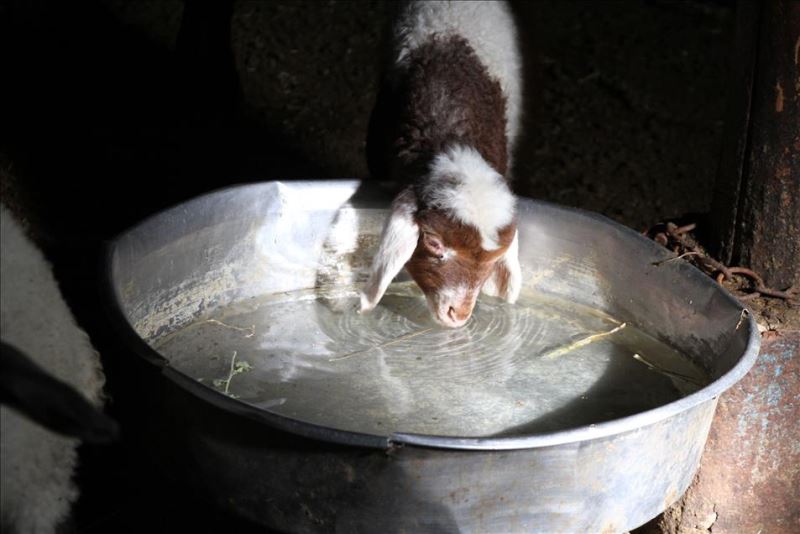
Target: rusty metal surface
[
  {"x": 728, "y": 184},
  {"x": 758, "y": 190},
  {"x": 749, "y": 477}
]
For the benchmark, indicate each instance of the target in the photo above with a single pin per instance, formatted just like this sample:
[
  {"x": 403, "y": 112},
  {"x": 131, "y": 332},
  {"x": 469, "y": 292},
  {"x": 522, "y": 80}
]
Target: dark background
[{"x": 112, "y": 110}]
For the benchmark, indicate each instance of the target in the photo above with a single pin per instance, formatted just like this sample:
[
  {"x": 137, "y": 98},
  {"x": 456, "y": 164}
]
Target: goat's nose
[{"x": 458, "y": 316}]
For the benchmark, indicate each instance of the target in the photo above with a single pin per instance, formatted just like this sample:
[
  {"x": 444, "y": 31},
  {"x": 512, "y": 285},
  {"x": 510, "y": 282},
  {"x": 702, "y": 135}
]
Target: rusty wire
[{"x": 679, "y": 240}]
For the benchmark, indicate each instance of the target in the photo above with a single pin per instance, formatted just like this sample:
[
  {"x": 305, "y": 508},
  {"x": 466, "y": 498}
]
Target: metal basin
[{"x": 585, "y": 407}]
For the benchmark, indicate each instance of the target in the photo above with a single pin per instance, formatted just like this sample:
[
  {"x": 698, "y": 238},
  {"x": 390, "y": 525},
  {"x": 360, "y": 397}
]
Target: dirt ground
[{"x": 113, "y": 110}]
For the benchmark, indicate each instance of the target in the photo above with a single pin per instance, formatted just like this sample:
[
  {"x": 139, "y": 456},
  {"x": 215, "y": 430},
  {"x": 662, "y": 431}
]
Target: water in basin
[{"x": 536, "y": 366}]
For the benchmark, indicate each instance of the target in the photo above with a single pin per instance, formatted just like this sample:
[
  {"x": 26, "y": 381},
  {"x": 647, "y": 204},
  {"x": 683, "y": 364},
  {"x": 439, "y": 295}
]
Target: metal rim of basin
[{"x": 309, "y": 430}]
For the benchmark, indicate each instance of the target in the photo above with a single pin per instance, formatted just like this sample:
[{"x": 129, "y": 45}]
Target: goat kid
[{"x": 444, "y": 125}]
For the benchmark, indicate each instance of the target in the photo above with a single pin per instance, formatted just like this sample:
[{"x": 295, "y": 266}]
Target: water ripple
[{"x": 496, "y": 340}]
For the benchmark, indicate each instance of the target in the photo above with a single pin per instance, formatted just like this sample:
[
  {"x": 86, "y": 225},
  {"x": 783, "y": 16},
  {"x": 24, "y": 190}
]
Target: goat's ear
[
  {"x": 506, "y": 278},
  {"x": 398, "y": 242}
]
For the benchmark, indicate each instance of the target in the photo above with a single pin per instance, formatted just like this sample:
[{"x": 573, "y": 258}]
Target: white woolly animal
[{"x": 37, "y": 465}]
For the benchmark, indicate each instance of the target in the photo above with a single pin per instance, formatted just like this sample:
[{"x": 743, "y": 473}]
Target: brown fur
[
  {"x": 470, "y": 266},
  {"x": 442, "y": 96}
]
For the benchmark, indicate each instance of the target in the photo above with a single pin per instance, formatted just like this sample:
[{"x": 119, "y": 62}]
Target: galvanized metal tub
[{"x": 293, "y": 475}]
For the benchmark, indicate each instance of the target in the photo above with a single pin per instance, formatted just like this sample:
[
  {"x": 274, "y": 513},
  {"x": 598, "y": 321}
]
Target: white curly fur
[
  {"x": 463, "y": 184},
  {"x": 36, "y": 465}
]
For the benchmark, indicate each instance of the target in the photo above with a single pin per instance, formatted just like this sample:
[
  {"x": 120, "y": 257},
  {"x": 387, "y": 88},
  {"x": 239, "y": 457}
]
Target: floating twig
[
  {"x": 659, "y": 369},
  {"x": 384, "y": 344},
  {"x": 581, "y": 343},
  {"x": 251, "y": 328},
  {"x": 235, "y": 369}
]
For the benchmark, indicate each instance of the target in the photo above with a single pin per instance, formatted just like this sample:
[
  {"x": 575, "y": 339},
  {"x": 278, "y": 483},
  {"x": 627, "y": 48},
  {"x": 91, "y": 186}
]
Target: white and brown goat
[{"x": 444, "y": 126}]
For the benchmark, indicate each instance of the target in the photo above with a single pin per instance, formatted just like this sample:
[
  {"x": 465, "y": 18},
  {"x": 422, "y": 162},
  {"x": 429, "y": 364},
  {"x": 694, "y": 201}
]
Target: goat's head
[
  {"x": 460, "y": 238},
  {"x": 450, "y": 265}
]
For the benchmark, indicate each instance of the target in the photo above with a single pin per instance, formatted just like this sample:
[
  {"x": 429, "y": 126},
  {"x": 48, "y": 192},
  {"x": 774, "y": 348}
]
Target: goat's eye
[{"x": 433, "y": 244}]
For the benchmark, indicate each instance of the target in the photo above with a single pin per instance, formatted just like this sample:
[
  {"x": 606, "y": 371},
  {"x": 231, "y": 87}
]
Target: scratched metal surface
[{"x": 235, "y": 246}]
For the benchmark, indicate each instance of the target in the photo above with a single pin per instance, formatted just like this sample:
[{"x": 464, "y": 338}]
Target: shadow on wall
[
  {"x": 118, "y": 109},
  {"x": 105, "y": 126}
]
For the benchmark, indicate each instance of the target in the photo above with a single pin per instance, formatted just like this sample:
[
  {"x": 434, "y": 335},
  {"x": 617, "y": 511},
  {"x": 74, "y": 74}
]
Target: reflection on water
[{"x": 513, "y": 369}]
